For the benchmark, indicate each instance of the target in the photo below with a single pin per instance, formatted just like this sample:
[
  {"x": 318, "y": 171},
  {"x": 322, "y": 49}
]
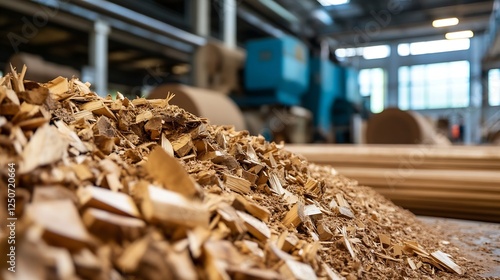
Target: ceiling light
[
  {"x": 459, "y": 35},
  {"x": 445, "y": 22},
  {"x": 326, "y": 3}
]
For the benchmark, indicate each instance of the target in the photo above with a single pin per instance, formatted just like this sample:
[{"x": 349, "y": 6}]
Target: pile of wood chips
[{"x": 140, "y": 189}]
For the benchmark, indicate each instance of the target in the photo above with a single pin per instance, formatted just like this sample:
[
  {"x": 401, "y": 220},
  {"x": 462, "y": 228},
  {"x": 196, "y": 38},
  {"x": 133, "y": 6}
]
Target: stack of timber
[
  {"x": 452, "y": 181},
  {"x": 140, "y": 189}
]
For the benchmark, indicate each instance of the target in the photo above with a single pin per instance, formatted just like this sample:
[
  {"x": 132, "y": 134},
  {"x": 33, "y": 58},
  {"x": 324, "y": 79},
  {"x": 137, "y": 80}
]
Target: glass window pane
[
  {"x": 403, "y": 98},
  {"x": 372, "y": 83},
  {"x": 439, "y": 85},
  {"x": 494, "y": 87}
]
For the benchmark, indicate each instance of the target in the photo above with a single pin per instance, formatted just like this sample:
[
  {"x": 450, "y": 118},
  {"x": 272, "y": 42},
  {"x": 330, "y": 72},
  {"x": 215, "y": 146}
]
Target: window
[
  {"x": 431, "y": 86},
  {"x": 436, "y": 46},
  {"x": 372, "y": 82},
  {"x": 494, "y": 87}
]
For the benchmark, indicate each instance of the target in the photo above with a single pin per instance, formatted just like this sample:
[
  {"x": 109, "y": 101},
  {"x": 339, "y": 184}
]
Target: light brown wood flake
[
  {"x": 82, "y": 171},
  {"x": 252, "y": 248},
  {"x": 446, "y": 261},
  {"x": 324, "y": 232},
  {"x": 45, "y": 147},
  {"x": 384, "y": 239},
  {"x": 237, "y": 184},
  {"x": 295, "y": 216},
  {"x": 258, "y": 211},
  {"x": 166, "y": 145},
  {"x": 229, "y": 215},
  {"x": 256, "y": 227},
  {"x": 296, "y": 270},
  {"x": 87, "y": 264},
  {"x": 167, "y": 170},
  {"x": 312, "y": 186},
  {"x": 196, "y": 238},
  {"x": 182, "y": 145},
  {"x": 10, "y": 94},
  {"x": 114, "y": 202},
  {"x": 287, "y": 242},
  {"x": 313, "y": 211},
  {"x": 144, "y": 116},
  {"x": 347, "y": 243},
  {"x": 113, "y": 226},
  {"x": 73, "y": 138},
  {"x": 61, "y": 223},
  {"x": 58, "y": 87},
  {"x": 98, "y": 108},
  {"x": 162, "y": 205},
  {"x": 411, "y": 263},
  {"x": 331, "y": 273}
]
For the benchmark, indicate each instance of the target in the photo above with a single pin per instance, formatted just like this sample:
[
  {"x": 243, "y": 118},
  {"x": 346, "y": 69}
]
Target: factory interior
[{"x": 300, "y": 139}]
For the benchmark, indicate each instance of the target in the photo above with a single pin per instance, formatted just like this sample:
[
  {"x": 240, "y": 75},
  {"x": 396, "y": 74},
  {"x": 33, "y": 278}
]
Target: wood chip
[
  {"x": 295, "y": 216},
  {"x": 61, "y": 224},
  {"x": 445, "y": 260},
  {"x": 257, "y": 228},
  {"x": 114, "y": 202},
  {"x": 297, "y": 270},
  {"x": 166, "y": 170},
  {"x": 237, "y": 184},
  {"x": 45, "y": 147},
  {"x": 167, "y": 206}
]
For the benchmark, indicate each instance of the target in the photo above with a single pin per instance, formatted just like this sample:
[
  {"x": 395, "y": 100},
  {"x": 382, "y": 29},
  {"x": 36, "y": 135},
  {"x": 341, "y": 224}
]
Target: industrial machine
[
  {"x": 276, "y": 72},
  {"x": 282, "y": 92}
]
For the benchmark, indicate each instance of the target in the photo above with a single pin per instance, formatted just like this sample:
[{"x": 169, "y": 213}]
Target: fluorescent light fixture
[
  {"x": 323, "y": 16},
  {"x": 445, "y": 22},
  {"x": 326, "y": 3},
  {"x": 459, "y": 35}
]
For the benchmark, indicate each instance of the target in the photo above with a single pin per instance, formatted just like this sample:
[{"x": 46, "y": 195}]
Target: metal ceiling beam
[
  {"x": 259, "y": 23},
  {"x": 413, "y": 16},
  {"x": 82, "y": 19},
  {"x": 360, "y": 37},
  {"x": 139, "y": 19}
]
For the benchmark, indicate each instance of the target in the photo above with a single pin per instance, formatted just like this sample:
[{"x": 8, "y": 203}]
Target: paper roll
[
  {"x": 216, "y": 107},
  {"x": 217, "y": 67},
  {"x": 39, "y": 69},
  {"x": 394, "y": 126}
]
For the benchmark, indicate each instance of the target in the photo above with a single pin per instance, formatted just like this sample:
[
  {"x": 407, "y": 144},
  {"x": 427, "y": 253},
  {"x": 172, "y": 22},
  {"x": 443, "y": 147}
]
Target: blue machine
[
  {"x": 327, "y": 84},
  {"x": 276, "y": 72}
]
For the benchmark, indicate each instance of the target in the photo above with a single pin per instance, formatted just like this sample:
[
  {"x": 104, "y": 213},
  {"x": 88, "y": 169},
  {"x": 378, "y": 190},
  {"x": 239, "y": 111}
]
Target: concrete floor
[{"x": 479, "y": 240}]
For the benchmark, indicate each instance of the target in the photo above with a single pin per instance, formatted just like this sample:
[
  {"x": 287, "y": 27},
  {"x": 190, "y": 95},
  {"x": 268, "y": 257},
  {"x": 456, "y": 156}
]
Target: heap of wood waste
[{"x": 139, "y": 189}]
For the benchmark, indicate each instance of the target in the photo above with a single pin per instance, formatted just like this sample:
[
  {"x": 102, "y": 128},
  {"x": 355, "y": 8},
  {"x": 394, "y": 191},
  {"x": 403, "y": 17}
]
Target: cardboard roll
[
  {"x": 39, "y": 69},
  {"x": 217, "y": 67},
  {"x": 394, "y": 126},
  {"x": 218, "y": 108}
]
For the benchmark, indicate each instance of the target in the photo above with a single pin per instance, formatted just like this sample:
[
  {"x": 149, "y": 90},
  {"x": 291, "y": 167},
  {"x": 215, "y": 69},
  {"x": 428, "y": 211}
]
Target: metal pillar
[
  {"x": 229, "y": 23},
  {"x": 392, "y": 98},
  {"x": 98, "y": 51},
  {"x": 202, "y": 18},
  {"x": 472, "y": 133}
]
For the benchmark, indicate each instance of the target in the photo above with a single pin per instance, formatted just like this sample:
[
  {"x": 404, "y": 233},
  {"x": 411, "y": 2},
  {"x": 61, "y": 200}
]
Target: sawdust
[{"x": 99, "y": 159}]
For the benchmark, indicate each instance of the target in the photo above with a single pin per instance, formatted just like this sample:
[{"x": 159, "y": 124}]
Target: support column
[
  {"x": 392, "y": 97},
  {"x": 201, "y": 18},
  {"x": 98, "y": 52},
  {"x": 229, "y": 23},
  {"x": 472, "y": 133}
]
